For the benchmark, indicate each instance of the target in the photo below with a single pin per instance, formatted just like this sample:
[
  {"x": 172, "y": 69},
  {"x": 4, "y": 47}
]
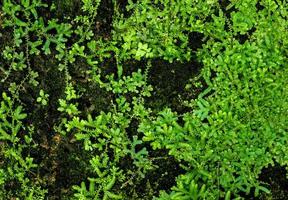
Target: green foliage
[
  {"x": 186, "y": 189},
  {"x": 233, "y": 129},
  {"x": 43, "y": 98},
  {"x": 65, "y": 105},
  {"x": 15, "y": 167},
  {"x": 140, "y": 159},
  {"x": 86, "y": 21},
  {"x": 158, "y": 29},
  {"x": 104, "y": 182},
  {"x": 238, "y": 122}
]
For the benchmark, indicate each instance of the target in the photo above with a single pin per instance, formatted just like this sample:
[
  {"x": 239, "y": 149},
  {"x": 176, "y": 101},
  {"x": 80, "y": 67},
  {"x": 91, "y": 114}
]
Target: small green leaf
[
  {"x": 46, "y": 47},
  {"x": 20, "y": 23},
  {"x": 25, "y": 3}
]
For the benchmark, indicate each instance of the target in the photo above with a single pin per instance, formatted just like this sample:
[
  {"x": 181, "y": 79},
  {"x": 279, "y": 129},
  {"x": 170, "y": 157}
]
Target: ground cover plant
[{"x": 152, "y": 99}]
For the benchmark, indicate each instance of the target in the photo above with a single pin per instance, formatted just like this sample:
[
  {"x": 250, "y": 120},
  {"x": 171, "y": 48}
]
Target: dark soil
[
  {"x": 168, "y": 81},
  {"x": 276, "y": 179}
]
